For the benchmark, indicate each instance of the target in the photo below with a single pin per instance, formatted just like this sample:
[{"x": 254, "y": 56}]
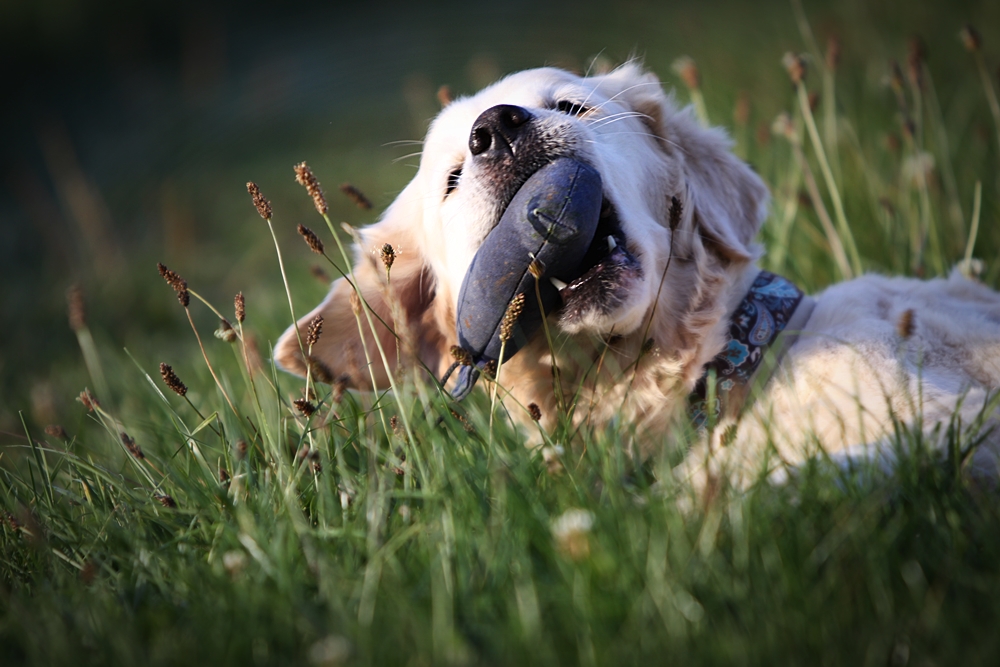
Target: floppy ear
[
  {"x": 409, "y": 325},
  {"x": 726, "y": 198}
]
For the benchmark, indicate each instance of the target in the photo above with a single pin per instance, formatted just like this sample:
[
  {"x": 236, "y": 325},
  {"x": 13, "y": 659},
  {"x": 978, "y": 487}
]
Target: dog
[{"x": 648, "y": 333}]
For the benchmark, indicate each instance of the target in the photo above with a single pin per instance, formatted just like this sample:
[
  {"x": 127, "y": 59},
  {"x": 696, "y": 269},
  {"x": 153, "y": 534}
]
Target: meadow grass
[{"x": 205, "y": 517}]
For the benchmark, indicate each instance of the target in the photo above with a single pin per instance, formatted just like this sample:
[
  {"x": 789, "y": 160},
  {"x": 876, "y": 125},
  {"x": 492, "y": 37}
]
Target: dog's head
[{"x": 477, "y": 154}]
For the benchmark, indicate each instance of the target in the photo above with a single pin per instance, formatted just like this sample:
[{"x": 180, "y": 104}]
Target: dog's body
[{"x": 638, "y": 326}]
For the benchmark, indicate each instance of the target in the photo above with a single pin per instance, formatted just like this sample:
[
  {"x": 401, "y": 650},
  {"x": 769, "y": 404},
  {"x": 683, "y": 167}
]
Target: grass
[{"x": 228, "y": 527}]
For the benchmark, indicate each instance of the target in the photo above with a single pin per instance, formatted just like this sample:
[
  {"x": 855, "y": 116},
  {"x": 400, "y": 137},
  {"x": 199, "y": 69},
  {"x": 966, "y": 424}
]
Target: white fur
[{"x": 840, "y": 386}]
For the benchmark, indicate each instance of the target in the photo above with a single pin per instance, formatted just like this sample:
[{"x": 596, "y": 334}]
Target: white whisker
[{"x": 403, "y": 157}]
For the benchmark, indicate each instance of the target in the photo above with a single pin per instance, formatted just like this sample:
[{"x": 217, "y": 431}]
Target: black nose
[{"x": 497, "y": 129}]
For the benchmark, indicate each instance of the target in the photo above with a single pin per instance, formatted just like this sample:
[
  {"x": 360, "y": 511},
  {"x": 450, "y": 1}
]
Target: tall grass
[{"x": 252, "y": 518}]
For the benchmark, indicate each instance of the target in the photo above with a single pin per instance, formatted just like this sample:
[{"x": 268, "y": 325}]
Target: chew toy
[{"x": 550, "y": 222}]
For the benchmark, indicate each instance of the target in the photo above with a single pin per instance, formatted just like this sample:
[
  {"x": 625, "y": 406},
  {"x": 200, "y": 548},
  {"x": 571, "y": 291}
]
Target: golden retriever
[{"x": 633, "y": 344}]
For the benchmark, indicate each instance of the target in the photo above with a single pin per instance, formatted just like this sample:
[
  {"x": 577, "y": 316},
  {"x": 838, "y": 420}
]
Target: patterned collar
[{"x": 771, "y": 304}]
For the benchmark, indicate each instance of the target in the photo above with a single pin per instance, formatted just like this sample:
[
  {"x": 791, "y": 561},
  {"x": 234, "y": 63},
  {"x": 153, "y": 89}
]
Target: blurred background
[{"x": 129, "y": 131}]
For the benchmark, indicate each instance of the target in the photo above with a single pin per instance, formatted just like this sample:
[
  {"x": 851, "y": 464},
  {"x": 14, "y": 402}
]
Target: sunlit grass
[{"x": 228, "y": 526}]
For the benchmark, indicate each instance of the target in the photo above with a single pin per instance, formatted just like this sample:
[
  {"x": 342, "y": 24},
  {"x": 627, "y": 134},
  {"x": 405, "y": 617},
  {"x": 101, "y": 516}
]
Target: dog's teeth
[
  {"x": 559, "y": 285},
  {"x": 611, "y": 243}
]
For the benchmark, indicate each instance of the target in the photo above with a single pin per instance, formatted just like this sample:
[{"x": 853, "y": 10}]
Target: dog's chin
[{"x": 610, "y": 275}]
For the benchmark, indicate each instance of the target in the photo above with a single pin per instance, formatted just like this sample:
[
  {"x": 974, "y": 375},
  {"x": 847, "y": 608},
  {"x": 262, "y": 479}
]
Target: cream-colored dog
[{"x": 637, "y": 330}]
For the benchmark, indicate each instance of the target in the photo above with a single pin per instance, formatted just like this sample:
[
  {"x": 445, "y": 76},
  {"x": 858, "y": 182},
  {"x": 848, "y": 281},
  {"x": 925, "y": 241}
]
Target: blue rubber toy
[{"x": 552, "y": 219}]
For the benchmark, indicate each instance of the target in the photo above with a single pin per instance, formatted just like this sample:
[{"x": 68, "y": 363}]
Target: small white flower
[
  {"x": 329, "y": 651},
  {"x": 570, "y": 533},
  {"x": 918, "y": 168},
  {"x": 234, "y": 562}
]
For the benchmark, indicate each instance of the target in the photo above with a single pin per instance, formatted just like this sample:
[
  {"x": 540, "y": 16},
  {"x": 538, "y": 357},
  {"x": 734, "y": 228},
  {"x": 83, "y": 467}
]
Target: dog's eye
[
  {"x": 571, "y": 108},
  {"x": 454, "y": 176}
]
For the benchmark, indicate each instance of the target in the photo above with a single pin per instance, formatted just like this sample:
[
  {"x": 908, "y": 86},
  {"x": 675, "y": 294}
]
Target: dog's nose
[{"x": 497, "y": 129}]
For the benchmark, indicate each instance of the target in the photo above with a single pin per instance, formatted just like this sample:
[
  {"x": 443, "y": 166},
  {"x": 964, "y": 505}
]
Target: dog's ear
[
  {"x": 727, "y": 199},
  {"x": 404, "y": 304}
]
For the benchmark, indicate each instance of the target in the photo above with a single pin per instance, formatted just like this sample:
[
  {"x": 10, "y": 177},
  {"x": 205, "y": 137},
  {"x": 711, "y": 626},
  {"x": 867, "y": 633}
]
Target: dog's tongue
[{"x": 552, "y": 219}]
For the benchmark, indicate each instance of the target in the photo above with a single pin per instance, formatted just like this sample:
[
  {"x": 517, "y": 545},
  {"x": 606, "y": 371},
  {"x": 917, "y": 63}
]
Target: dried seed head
[
  {"x": 896, "y": 78},
  {"x": 130, "y": 445},
  {"x": 89, "y": 400},
  {"x": 915, "y": 59},
  {"x": 534, "y": 411},
  {"x": 356, "y": 196},
  {"x": 887, "y": 206},
  {"x": 970, "y": 38},
  {"x": 338, "y": 387},
  {"x": 676, "y": 211},
  {"x": 305, "y": 177},
  {"x": 304, "y": 406},
  {"x": 314, "y": 331},
  {"x": 177, "y": 283},
  {"x": 171, "y": 380},
  {"x": 687, "y": 70},
  {"x": 56, "y": 431},
  {"x": 729, "y": 435},
  {"x": 313, "y": 241},
  {"x": 906, "y": 324},
  {"x": 319, "y": 371},
  {"x": 240, "y": 449},
  {"x": 795, "y": 65},
  {"x": 88, "y": 572},
  {"x": 224, "y": 476},
  {"x": 647, "y": 346},
  {"x": 461, "y": 355},
  {"x": 536, "y": 268},
  {"x": 165, "y": 500},
  {"x": 514, "y": 309},
  {"x": 741, "y": 112},
  {"x": 263, "y": 206},
  {"x": 832, "y": 53},
  {"x": 320, "y": 274},
  {"x": 76, "y": 308},
  {"x": 490, "y": 370},
  {"x": 355, "y": 303},
  {"x": 241, "y": 307},
  {"x": 397, "y": 428},
  {"x": 444, "y": 96},
  {"x": 388, "y": 255},
  {"x": 463, "y": 421},
  {"x": 225, "y": 331}
]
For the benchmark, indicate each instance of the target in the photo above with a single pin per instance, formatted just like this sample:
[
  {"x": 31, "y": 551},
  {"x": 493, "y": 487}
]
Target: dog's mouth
[
  {"x": 602, "y": 280},
  {"x": 558, "y": 247}
]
